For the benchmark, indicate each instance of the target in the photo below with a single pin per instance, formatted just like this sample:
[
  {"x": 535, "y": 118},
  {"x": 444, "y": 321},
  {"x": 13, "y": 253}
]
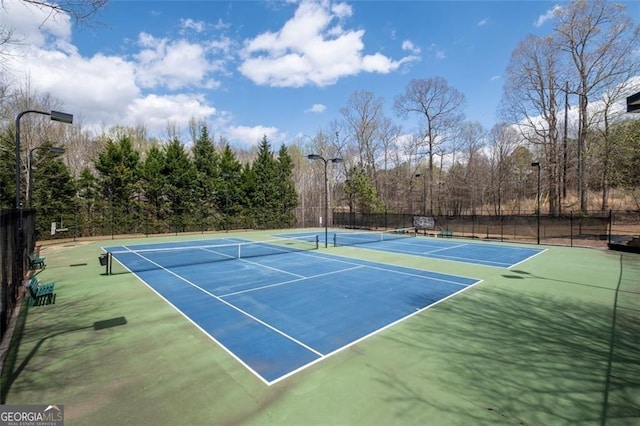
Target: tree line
[{"x": 560, "y": 109}]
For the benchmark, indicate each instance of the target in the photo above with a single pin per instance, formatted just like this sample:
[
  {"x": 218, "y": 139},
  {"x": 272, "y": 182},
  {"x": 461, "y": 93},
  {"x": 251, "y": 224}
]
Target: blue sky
[{"x": 280, "y": 68}]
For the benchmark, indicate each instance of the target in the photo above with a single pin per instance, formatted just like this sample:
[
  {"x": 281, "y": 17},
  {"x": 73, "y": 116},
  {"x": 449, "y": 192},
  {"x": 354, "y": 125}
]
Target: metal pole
[
  {"x": 537, "y": 164},
  {"x": 538, "y": 203},
  {"x": 424, "y": 192},
  {"x": 326, "y": 205}
]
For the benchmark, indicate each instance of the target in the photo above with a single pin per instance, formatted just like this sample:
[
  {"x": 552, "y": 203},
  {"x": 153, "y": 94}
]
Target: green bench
[
  {"x": 41, "y": 293},
  {"x": 36, "y": 262},
  {"x": 445, "y": 233}
]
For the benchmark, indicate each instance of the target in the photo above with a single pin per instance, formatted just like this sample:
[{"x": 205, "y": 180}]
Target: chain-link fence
[
  {"x": 569, "y": 229},
  {"x": 17, "y": 241}
]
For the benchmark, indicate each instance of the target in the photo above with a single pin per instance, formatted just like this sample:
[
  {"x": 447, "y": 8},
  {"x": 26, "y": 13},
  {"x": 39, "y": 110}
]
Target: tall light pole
[
  {"x": 326, "y": 190},
  {"x": 63, "y": 117},
  {"x": 537, "y": 164},
  {"x": 52, "y": 150},
  {"x": 424, "y": 192}
]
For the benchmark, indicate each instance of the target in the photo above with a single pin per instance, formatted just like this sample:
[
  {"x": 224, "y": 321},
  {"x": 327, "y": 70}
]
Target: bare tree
[
  {"x": 439, "y": 109},
  {"x": 388, "y": 134},
  {"x": 503, "y": 139},
  {"x": 531, "y": 95},
  {"x": 472, "y": 136},
  {"x": 80, "y": 11},
  {"x": 362, "y": 115},
  {"x": 599, "y": 38},
  {"x": 606, "y": 151}
]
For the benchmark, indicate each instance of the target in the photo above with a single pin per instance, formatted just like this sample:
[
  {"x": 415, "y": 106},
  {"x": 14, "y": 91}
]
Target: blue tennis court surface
[
  {"x": 281, "y": 313},
  {"x": 489, "y": 254}
]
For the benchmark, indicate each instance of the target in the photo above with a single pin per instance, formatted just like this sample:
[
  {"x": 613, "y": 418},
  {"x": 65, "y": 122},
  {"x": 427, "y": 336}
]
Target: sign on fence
[{"x": 424, "y": 222}]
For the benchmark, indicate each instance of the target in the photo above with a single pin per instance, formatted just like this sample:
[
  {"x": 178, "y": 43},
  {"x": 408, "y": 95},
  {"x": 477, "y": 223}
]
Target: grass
[{"x": 553, "y": 340}]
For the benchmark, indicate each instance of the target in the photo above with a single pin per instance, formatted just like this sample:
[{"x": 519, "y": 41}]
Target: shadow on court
[
  {"x": 525, "y": 357},
  {"x": 50, "y": 330}
]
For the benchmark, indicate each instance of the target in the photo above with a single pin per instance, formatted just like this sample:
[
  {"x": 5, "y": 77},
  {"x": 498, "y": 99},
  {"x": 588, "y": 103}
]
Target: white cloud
[
  {"x": 252, "y": 136},
  {"x": 102, "y": 90},
  {"x": 190, "y": 24},
  {"x": 483, "y": 22},
  {"x": 310, "y": 49},
  {"x": 316, "y": 108},
  {"x": 156, "y": 111},
  {"x": 174, "y": 64},
  {"x": 409, "y": 46},
  {"x": 35, "y": 25},
  {"x": 548, "y": 15}
]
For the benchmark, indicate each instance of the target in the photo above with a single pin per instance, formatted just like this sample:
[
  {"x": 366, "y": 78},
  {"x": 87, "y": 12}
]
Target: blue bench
[
  {"x": 41, "y": 293},
  {"x": 445, "y": 233}
]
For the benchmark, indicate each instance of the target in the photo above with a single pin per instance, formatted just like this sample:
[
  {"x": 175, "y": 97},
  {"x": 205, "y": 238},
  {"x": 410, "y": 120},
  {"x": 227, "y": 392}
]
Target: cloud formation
[
  {"x": 312, "y": 48},
  {"x": 547, "y": 16}
]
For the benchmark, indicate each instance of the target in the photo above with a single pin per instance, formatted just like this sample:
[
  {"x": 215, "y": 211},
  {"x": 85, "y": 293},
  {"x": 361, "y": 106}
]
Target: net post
[
  {"x": 109, "y": 263},
  {"x": 317, "y": 242},
  {"x": 335, "y": 240}
]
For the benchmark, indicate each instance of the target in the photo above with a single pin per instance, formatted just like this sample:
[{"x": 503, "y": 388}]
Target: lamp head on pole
[
  {"x": 535, "y": 164},
  {"x": 62, "y": 117},
  {"x": 314, "y": 157},
  {"x": 56, "y": 150},
  {"x": 336, "y": 160}
]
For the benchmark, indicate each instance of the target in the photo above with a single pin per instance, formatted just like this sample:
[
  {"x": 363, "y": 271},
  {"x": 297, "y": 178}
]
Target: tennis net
[
  {"x": 355, "y": 238},
  {"x": 132, "y": 260}
]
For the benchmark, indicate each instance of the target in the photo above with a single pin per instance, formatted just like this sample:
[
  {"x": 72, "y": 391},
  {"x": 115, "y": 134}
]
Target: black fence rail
[
  {"x": 566, "y": 229},
  {"x": 17, "y": 241}
]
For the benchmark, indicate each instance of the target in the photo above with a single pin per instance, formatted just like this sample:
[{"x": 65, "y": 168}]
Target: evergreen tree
[
  {"x": 180, "y": 175},
  {"x": 248, "y": 190},
  {"x": 206, "y": 162},
  {"x": 7, "y": 171},
  {"x": 53, "y": 192},
  {"x": 152, "y": 188},
  {"x": 265, "y": 199},
  {"x": 118, "y": 167},
  {"x": 361, "y": 193},
  {"x": 288, "y": 196},
  {"x": 230, "y": 197},
  {"x": 87, "y": 186}
]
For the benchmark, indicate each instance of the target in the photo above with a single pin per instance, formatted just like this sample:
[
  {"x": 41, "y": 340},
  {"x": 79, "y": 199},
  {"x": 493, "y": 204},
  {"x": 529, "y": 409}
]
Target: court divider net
[
  {"x": 171, "y": 257},
  {"x": 355, "y": 238}
]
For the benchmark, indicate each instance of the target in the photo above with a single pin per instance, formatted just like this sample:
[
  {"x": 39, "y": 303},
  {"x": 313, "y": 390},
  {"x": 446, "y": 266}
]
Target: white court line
[
  {"x": 483, "y": 262},
  {"x": 269, "y": 326},
  {"x": 394, "y": 271},
  {"x": 445, "y": 248},
  {"x": 530, "y": 257},
  {"x": 205, "y": 332},
  {"x": 290, "y": 281},
  {"x": 322, "y": 358}
]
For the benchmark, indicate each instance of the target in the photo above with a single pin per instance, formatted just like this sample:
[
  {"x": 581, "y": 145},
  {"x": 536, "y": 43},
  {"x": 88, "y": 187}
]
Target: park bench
[
  {"x": 36, "y": 262},
  {"x": 445, "y": 233},
  {"x": 41, "y": 293}
]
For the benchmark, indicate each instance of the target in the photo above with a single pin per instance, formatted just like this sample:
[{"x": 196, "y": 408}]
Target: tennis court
[
  {"x": 279, "y": 306},
  {"x": 406, "y": 242},
  {"x": 553, "y": 340}
]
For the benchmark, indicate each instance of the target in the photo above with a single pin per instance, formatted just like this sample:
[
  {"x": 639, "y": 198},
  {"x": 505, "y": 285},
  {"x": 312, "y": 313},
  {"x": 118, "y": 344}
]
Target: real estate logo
[{"x": 31, "y": 415}]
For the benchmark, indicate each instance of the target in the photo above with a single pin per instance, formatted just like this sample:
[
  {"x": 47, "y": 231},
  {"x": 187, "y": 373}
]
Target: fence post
[
  {"x": 571, "y": 226},
  {"x": 610, "y": 226}
]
